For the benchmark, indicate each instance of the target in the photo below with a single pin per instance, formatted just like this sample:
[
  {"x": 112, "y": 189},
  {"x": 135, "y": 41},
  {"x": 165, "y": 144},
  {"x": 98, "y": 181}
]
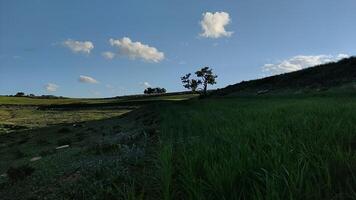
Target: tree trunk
[{"x": 205, "y": 88}]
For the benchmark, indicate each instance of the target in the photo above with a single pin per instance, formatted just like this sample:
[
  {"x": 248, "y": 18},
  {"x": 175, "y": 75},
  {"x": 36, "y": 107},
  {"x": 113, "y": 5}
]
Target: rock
[
  {"x": 36, "y": 158},
  {"x": 62, "y": 147}
]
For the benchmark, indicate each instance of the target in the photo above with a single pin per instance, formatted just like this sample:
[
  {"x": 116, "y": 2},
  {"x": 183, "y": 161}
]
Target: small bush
[{"x": 19, "y": 173}]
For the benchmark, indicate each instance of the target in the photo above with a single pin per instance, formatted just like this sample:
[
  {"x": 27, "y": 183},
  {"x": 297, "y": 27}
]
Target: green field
[
  {"x": 290, "y": 147},
  {"x": 259, "y": 148}
]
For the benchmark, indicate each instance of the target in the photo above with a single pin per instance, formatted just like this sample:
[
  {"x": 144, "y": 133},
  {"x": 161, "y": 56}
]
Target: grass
[
  {"x": 255, "y": 148},
  {"x": 108, "y": 156},
  {"x": 4, "y": 100},
  {"x": 104, "y": 160},
  {"x": 287, "y": 147},
  {"x": 38, "y": 101},
  {"x": 31, "y": 117}
]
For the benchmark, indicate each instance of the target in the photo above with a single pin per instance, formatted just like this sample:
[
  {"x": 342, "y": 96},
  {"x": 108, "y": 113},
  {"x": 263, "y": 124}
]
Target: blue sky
[{"x": 56, "y": 47}]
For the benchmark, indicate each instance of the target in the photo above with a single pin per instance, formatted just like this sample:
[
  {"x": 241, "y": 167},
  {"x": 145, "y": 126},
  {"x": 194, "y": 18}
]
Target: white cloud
[
  {"x": 136, "y": 50},
  {"x": 51, "y": 87},
  {"x": 213, "y": 24},
  {"x": 300, "y": 62},
  {"x": 87, "y": 79},
  {"x": 146, "y": 84},
  {"x": 108, "y": 55},
  {"x": 342, "y": 56},
  {"x": 78, "y": 46}
]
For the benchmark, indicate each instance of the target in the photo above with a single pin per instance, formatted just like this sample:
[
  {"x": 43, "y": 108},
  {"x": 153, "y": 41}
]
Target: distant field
[
  {"x": 22, "y": 112},
  {"x": 37, "y": 101},
  {"x": 30, "y": 117}
]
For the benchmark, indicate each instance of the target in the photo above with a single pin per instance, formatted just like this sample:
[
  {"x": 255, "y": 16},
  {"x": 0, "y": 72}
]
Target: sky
[{"x": 79, "y": 48}]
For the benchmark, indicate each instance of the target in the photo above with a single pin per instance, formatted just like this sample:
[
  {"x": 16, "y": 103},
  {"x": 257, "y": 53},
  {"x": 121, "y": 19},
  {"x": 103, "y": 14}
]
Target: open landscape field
[
  {"x": 253, "y": 147},
  {"x": 177, "y": 100}
]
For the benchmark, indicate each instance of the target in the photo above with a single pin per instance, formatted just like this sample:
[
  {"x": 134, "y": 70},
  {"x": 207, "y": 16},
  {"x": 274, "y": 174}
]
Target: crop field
[{"x": 288, "y": 147}]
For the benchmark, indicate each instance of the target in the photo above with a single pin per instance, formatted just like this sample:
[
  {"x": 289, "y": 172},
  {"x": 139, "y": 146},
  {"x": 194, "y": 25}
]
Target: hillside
[{"x": 318, "y": 78}]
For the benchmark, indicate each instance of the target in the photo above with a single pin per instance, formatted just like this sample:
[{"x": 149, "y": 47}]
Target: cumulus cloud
[
  {"x": 108, "y": 55},
  {"x": 87, "y": 79},
  {"x": 300, "y": 62},
  {"x": 135, "y": 50},
  {"x": 51, "y": 87},
  {"x": 146, "y": 84},
  {"x": 213, "y": 25},
  {"x": 78, "y": 46}
]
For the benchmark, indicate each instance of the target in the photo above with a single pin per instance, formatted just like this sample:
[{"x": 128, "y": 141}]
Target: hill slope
[{"x": 320, "y": 77}]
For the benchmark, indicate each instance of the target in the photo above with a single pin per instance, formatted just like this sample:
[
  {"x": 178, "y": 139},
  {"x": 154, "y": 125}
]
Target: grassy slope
[
  {"x": 325, "y": 77},
  {"x": 255, "y": 148}
]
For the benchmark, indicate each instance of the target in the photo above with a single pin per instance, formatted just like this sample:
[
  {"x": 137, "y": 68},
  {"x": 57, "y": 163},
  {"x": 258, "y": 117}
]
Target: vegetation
[
  {"x": 98, "y": 154},
  {"x": 240, "y": 143},
  {"x": 259, "y": 148},
  {"x": 205, "y": 76},
  {"x": 318, "y": 78},
  {"x": 157, "y": 90}
]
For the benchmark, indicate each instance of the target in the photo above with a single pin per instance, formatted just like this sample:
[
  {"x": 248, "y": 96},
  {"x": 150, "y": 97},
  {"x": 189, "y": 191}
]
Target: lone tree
[
  {"x": 204, "y": 76},
  {"x": 191, "y": 84}
]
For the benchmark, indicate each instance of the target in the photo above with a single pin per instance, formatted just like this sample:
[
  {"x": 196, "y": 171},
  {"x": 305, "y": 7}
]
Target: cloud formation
[
  {"x": 300, "y": 62},
  {"x": 135, "y": 50},
  {"x": 213, "y": 25},
  {"x": 108, "y": 55},
  {"x": 78, "y": 46},
  {"x": 87, "y": 79},
  {"x": 51, "y": 87},
  {"x": 146, "y": 84}
]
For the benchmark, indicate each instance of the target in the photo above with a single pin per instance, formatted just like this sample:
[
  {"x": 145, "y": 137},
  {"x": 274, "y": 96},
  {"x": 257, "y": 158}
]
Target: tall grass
[{"x": 259, "y": 149}]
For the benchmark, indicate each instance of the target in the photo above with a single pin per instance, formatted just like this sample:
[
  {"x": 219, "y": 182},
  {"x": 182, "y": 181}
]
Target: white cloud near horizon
[
  {"x": 135, "y": 50},
  {"x": 108, "y": 55},
  {"x": 146, "y": 84},
  {"x": 78, "y": 46},
  {"x": 87, "y": 79},
  {"x": 300, "y": 62},
  {"x": 213, "y": 25},
  {"x": 51, "y": 87}
]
